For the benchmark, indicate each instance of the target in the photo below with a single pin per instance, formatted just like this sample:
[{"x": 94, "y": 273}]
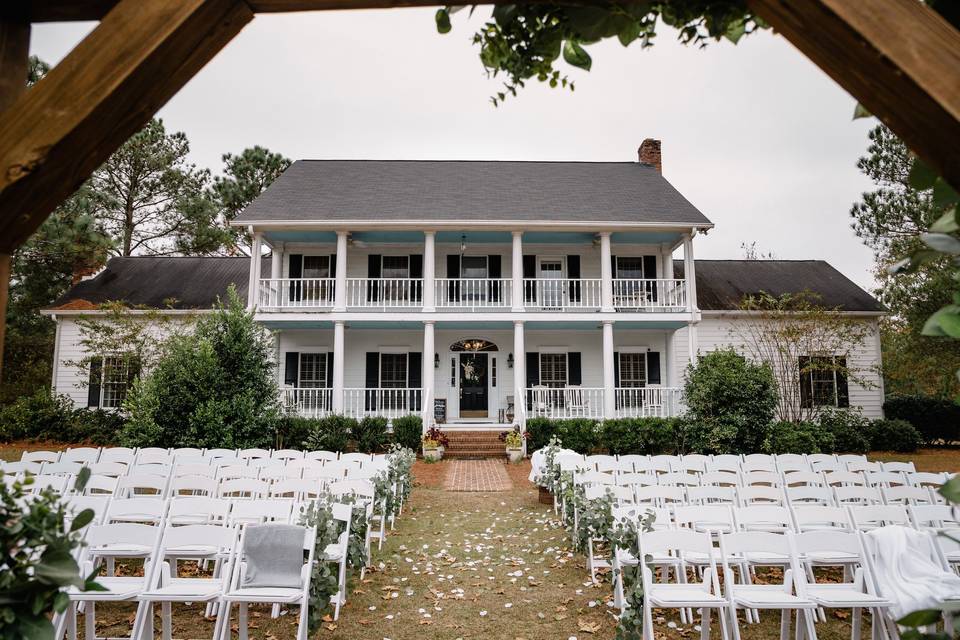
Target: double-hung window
[
  {"x": 393, "y": 375},
  {"x": 396, "y": 273},
  {"x": 823, "y": 381},
  {"x": 313, "y": 375},
  {"x": 633, "y": 375},
  {"x": 316, "y": 285},
  {"x": 110, "y": 379},
  {"x": 553, "y": 370}
]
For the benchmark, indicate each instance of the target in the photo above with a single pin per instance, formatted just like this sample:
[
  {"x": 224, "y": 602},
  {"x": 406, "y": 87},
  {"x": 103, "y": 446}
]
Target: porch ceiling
[{"x": 466, "y": 325}]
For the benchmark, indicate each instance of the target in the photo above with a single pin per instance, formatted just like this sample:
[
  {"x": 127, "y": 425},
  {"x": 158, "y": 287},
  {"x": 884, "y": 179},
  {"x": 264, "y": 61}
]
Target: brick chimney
[{"x": 649, "y": 153}]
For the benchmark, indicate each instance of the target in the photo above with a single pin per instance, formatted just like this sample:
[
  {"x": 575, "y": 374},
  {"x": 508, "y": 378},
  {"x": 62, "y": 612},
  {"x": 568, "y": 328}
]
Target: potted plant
[
  {"x": 434, "y": 441},
  {"x": 514, "y": 442}
]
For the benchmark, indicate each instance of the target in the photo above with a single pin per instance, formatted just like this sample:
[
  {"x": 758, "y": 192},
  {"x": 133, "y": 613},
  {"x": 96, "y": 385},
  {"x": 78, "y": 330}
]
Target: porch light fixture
[
  {"x": 510, "y": 361},
  {"x": 436, "y": 361},
  {"x": 463, "y": 243}
]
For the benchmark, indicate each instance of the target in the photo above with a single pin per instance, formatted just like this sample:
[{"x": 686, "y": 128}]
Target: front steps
[{"x": 473, "y": 443}]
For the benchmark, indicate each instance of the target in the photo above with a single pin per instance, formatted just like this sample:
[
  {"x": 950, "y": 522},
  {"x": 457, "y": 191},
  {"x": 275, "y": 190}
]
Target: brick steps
[{"x": 474, "y": 444}]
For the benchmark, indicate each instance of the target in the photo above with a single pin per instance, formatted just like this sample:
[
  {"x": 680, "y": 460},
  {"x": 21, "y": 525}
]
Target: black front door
[{"x": 473, "y": 385}]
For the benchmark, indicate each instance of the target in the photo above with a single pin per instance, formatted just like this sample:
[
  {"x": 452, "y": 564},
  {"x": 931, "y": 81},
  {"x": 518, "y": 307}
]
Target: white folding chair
[
  {"x": 193, "y": 485},
  {"x": 321, "y": 455},
  {"x": 187, "y": 452},
  {"x": 214, "y": 454},
  {"x": 712, "y": 519},
  {"x": 83, "y": 455},
  {"x": 809, "y": 494},
  {"x": 791, "y": 462},
  {"x": 242, "y": 595},
  {"x": 927, "y": 479},
  {"x": 844, "y": 478},
  {"x": 679, "y": 479},
  {"x": 867, "y": 517},
  {"x": 636, "y": 479},
  {"x": 243, "y": 488},
  {"x": 711, "y": 495},
  {"x": 125, "y": 455},
  {"x": 40, "y": 456},
  {"x": 295, "y": 488},
  {"x": 769, "y": 518},
  {"x": 61, "y": 468},
  {"x": 803, "y": 479},
  {"x": 287, "y": 454},
  {"x": 154, "y": 455},
  {"x": 704, "y": 595},
  {"x": 57, "y": 483},
  {"x": 856, "y": 592},
  {"x": 907, "y": 495},
  {"x": 759, "y": 494},
  {"x": 76, "y": 504},
  {"x": 744, "y": 594},
  {"x": 660, "y": 495},
  {"x": 259, "y": 511},
  {"x": 862, "y": 466},
  {"x": 845, "y": 495},
  {"x": 166, "y": 586},
  {"x": 638, "y": 462},
  {"x": 761, "y": 478},
  {"x": 935, "y": 517},
  {"x": 100, "y": 485},
  {"x": 112, "y": 469},
  {"x": 21, "y": 468},
  {"x": 185, "y": 510},
  {"x": 247, "y": 454},
  {"x": 140, "y": 485},
  {"x": 720, "y": 478},
  {"x": 101, "y": 540}
]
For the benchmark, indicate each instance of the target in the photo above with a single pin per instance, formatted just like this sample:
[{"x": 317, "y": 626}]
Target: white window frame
[
  {"x": 406, "y": 368},
  {"x": 303, "y": 266},
  {"x": 486, "y": 266},
  {"x": 103, "y": 382},
  {"x": 325, "y": 353},
  {"x": 383, "y": 257},
  {"x": 644, "y": 275},
  {"x": 814, "y": 398},
  {"x": 566, "y": 367},
  {"x": 630, "y": 352}
]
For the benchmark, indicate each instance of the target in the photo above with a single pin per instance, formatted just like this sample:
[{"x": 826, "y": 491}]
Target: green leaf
[
  {"x": 860, "y": 111},
  {"x": 941, "y": 242},
  {"x": 60, "y": 601},
  {"x": 35, "y": 627},
  {"x": 443, "y": 21},
  {"x": 951, "y": 490},
  {"x": 950, "y": 323},
  {"x": 920, "y": 618},
  {"x": 629, "y": 32},
  {"x": 944, "y": 194},
  {"x": 575, "y": 55},
  {"x": 947, "y": 223},
  {"x": 735, "y": 31},
  {"x": 82, "y": 519},
  {"x": 58, "y": 568},
  {"x": 922, "y": 177},
  {"x": 82, "y": 478}
]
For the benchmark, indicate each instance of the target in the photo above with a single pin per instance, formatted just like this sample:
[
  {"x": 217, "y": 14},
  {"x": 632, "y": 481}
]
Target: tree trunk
[{"x": 14, "y": 64}]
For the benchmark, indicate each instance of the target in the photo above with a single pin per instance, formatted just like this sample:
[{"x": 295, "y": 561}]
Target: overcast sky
[{"x": 756, "y": 136}]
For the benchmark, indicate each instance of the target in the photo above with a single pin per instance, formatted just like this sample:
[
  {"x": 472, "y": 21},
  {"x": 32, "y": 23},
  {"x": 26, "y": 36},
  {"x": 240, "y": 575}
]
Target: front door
[
  {"x": 552, "y": 283},
  {"x": 473, "y": 385}
]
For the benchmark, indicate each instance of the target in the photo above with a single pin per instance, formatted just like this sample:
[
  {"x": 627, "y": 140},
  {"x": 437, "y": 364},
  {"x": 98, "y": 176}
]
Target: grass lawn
[{"x": 478, "y": 565}]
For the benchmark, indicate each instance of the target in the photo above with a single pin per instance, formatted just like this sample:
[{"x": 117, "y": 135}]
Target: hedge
[{"x": 937, "y": 420}]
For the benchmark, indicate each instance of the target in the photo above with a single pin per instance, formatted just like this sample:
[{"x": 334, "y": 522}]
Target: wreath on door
[{"x": 472, "y": 373}]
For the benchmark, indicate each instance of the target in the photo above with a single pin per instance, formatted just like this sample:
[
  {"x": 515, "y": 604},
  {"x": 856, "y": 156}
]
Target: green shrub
[
  {"x": 894, "y": 435},
  {"x": 215, "y": 387},
  {"x": 937, "y": 419},
  {"x": 42, "y": 416},
  {"x": 330, "y": 433},
  {"x": 96, "y": 426},
  {"x": 540, "y": 431},
  {"x": 370, "y": 434},
  {"x": 580, "y": 434},
  {"x": 732, "y": 399},
  {"x": 850, "y": 430},
  {"x": 798, "y": 437},
  {"x": 407, "y": 431},
  {"x": 292, "y": 432},
  {"x": 642, "y": 436}
]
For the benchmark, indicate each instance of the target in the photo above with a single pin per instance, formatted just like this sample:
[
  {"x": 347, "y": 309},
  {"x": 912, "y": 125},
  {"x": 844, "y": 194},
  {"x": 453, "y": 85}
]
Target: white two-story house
[{"x": 476, "y": 293}]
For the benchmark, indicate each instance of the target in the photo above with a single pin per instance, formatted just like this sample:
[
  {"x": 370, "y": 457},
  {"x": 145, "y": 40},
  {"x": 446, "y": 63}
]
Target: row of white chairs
[
  {"x": 129, "y": 455},
  {"x": 699, "y": 463}
]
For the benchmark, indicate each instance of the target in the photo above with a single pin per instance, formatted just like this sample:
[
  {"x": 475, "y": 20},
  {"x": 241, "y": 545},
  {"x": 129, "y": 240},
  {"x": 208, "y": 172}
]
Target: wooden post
[{"x": 14, "y": 63}]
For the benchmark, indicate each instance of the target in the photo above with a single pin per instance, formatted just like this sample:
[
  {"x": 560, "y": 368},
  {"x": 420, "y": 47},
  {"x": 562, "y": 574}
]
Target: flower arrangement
[
  {"x": 434, "y": 439},
  {"x": 513, "y": 439}
]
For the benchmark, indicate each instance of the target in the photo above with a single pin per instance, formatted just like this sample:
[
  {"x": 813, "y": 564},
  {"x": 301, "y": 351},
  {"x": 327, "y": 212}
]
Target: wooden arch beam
[{"x": 57, "y": 133}]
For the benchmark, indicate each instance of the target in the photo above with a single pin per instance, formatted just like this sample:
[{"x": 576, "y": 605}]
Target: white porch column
[
  {"x": 254, "y": 284},
  {"x": 519, "y": 367},
  {"x": 276, "y": 260},
  {"x": 609, "y": 377},
  {"x": 692, "y": 342},
  {"x": 428, "y": 373},
  {"x": 689, "y": 273},
  {"x": 338, "y": 366},
  {"x": 606, "y": 273},
  {"x": 516, "y": 271},
  {"x": 340, "y": 281},
  {"x": 667, "y": 262},
  {"x": 429, "y": 274}
]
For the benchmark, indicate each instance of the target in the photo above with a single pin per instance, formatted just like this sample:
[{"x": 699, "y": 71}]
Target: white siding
[{"x": 715, "y": 332}]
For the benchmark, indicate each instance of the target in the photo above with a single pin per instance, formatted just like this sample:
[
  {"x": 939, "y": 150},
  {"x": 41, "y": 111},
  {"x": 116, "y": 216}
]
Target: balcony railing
[
  {"x": 649, "y": 294},
  {"x": 307, "y": 402},
  {"x": 561, "y": 294},
  {"x": 391, "y": 403},
  {"x": 474, "y": 294},
  {"x": 644, "y": 402},
  {"x": 296, "y": 293},
  {"x": 565, "y": 402},
  {"x": 384, "y": 293}
]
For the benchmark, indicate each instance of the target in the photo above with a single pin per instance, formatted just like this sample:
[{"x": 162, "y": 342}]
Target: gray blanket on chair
[{"x": 274, "y": 555}]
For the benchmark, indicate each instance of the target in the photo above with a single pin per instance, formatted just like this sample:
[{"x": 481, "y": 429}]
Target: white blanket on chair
[{"x": 907, "y": 574}]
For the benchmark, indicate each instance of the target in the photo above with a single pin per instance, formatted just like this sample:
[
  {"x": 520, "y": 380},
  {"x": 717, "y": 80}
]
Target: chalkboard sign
[{"x": 439, "y": 410}]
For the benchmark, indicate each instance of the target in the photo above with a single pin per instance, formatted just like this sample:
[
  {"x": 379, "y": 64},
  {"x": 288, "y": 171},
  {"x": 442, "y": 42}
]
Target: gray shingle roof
[
  {"x": 722, "y": 284},
  {"x": 195, "y": 283},
  {"x": 411, "y": 190}
]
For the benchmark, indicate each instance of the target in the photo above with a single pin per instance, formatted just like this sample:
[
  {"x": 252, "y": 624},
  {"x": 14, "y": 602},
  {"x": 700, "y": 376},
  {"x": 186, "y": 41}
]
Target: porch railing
[
  {"x": 316, "y": 293},
  {"x": 549, "y": 294},
  {"x": 643, "y": 402},
  {"x": 307, "y": 402},
  {"x": 566, "y": 402},
  {"x": 384, "y": 293},
  {"x": 473, "y": 293},
  {"x": 650, "y": 294},
  {"x": 391, "y": 403}
]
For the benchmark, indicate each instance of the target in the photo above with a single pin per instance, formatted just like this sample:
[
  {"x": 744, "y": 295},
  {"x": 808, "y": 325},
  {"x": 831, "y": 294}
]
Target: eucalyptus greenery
[
  {"x": 524, "y": 41},
  {"x": 38, "y": 562}
]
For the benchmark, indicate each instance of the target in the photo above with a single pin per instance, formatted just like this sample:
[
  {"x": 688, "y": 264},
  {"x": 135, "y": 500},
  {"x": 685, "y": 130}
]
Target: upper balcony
[{"x": 553, "y": 294}]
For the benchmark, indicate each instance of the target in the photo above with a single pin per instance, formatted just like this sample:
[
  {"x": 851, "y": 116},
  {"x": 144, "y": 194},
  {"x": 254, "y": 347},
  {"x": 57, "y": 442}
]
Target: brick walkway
[{"x": 477, "y": 475}]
